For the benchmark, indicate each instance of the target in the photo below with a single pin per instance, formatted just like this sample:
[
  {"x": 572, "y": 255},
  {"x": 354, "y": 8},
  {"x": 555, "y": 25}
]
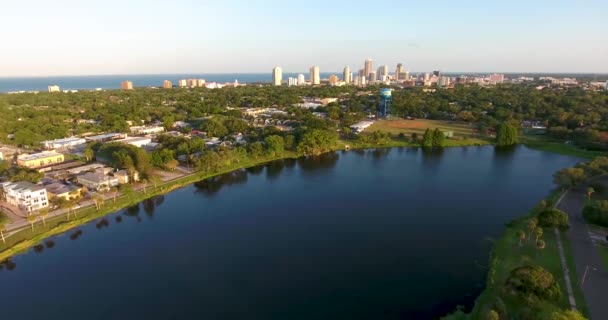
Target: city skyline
[{"x": 199, "y": 37}]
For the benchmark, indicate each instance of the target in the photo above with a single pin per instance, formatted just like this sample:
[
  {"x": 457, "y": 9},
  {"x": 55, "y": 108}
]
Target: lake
[{"x": 396, "y": 233}]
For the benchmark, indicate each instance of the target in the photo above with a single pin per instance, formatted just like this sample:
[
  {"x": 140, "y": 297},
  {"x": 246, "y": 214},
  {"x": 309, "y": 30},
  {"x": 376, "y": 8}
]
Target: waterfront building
[
  {"x": 26, "y": 195},
  {"x": 200, "y": 82},
  {"x": 64, "y": 191},
  {"x": 97, "y": 181},
  {"x": 126, "y": 85},
  {"x": 192, "y": 83},
  {"x": 301, "y": 79},
  {"x": 347, "y": 75},
  {"x": 291, "y": 81},
  {"x": 368, "y": 67},
  {"x": 399, "y": 71},
  {"x": 182, "y": 83},
  {"x": 167, "y": 84},
  {"x": 54, "y": 88},
  {"x": 63, "y": 143},
  {"x": 333, "y": 80},
  {"x": 37, "y": 160},
  {"x": 315, "y": 77},
  {"x": 277, "y": 76}
]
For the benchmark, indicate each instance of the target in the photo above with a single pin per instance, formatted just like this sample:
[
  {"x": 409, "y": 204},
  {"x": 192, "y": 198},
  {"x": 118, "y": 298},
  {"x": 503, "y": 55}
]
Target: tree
[
  {"x": 98, "y": 201},
  {"x": 540, "y": 244},
  {"x": 114, "y": 192},
  {"x": 506, "y": 135},
  {"x": 492, "y": 315},
  {"x": 144, "y": 183},
  {"x": 32, "y": 219},
  {"x": 155, "y": 179},
  {"x": 256, "y": 149},
  {"x": 438, "y": 138},
  {"x": 427, "y": 139},
  {"x": 3, "y": 224},
  {"x": 553, "y": 218},
  {"x": 414, "y": 137},
  {"x": 128, "y": 191},
  {"x": 567, "y": 315},
  {"x": 317, "y": 141},
  {"x": 569, "y": 177},
  {"x": 533, "y": 282},
  {"x": 538, "y": 232},
  {"x": 43, "y": 213},
  {"x": 88, "y": 153},
  {"x": 214, "y": 128},
  {"x": 522, "y": 236},
  {"x": 596, "y": 212},
  {"x": 531, "y": 226},
  {"x": 590, "y": 191},
  {"x": 275, "y": 145}
]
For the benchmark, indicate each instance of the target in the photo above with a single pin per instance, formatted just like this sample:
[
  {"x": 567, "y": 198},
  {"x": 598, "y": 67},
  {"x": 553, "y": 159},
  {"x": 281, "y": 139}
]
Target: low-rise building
[
  {"x": 63, "y": 143},
  {"x": 97, "y": 181},
  {"x": 64, "y": 191},
  {"x": 360, "y": 126},
  {"x": 105, "y": 137},
  {"x": 26, "y": 196},
  {"x": 147, "y": 130},
  {"x": 37, "y": 160},
  {"x": 136, "y": 141}
]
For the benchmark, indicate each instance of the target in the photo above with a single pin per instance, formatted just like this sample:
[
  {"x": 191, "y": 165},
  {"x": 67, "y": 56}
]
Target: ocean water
[{"x": 113, "y": 81}]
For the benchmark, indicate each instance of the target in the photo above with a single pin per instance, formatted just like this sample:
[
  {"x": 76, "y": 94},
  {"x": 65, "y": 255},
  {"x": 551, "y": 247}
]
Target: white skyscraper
[
  {"x": 347, "y": 75},
  {"x": 277, "y": 76},
  {"x": 382, "y": 71},
  {"x": 315, "y": 77},
  {"x": 292, "y": 81},
  {"x": 301, "y": 79}
]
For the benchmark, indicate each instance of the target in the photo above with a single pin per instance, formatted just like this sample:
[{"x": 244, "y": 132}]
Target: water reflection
[
  {"x": 324, "y": 161},
  {"x": 76, "y": 234},
  {"x": 211, "y": 186},
  {"x": 8, "y": 265},
  {"x": 380, "y": 153},
  {"x": 133, "y": 212},
  {"x": 431, "y": 159},
  {"x": 274, "y": 168},
  {"x": 103, "y": 223},
  {"x": 151, "y": 204},
  {"x": 255, "y": 170}
]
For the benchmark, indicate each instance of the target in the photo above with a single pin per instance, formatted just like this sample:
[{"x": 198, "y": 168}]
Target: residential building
[
  {"x": 122, "y": 176},
  {"x": 373, "y": 77},
  {"x": 382, "y": 72},
  {"x": 192, "y": 83},
  {"x": 201, "y": 82},
  {"x": 315, "y": 77},
  {"x": 63, "y": 143},
  {"x": 443, "y": 81},
  {"x": 399, "y": 71},
  {"x": 368, "y": 67},
  {"x": 64, "y": 191},
  {"x": 182, "y": 83},
  {"x": 497, "y": 78},
  {"x": 126, "y": 85},
  {"x": 291, "y": 81},
  {"x": 136, "y": 141},
  {"x": 26, "y": 196},
  {"x": 54, "y": 88},
  {"x": 301, "y": 80},
  {"x": 146, "y": 129},
  {"x": 167, "y": 84},
  {"x": 277, "y": 76},
  {"x": 333, "y": 80},
  {"x": 97, "y": 181},
  {"x": 346, "y": 75},
  {"x": 41, "y": 159}
]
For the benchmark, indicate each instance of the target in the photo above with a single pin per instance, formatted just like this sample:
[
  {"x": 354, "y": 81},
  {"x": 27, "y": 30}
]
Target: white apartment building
[
  {"x": 26, "y": 195},
  {"x": 147, "y": 130}
]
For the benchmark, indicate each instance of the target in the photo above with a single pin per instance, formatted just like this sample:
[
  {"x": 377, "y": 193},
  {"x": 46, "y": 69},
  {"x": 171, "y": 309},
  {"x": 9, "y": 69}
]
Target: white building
[
  {"x": 97, "y": 181},
  {"x": 315, "y": 77},
  {"x": 135, "y": 141},
  {"x": 146, "y": 129},
  {"x": 301, "y": 80},
  {"x": 63, "y": 143},
  {"x": 291, "y": 81},
  {"x": 360, "y": 126},
  {"x": 26, "y": 196},
  {"x": 182, "y": 83},
  {"x": 277, "y": 76},
  {"x": 54, "y": 88}
]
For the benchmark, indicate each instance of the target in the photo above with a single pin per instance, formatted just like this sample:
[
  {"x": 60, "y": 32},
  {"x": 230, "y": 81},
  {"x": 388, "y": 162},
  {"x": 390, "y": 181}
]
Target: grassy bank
[
  {"x": 545, "y": 144},
  {"x": 507, "y": 254}
]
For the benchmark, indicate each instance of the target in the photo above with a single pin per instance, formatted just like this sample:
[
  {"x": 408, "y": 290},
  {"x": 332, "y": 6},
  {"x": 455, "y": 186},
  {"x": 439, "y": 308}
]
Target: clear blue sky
[{"x": 69, "y": 37}]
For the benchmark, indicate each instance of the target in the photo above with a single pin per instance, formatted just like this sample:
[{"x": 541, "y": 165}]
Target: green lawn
[{"x": 542, "y": 142}]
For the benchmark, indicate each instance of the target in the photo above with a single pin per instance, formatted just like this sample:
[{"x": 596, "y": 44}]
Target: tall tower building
[
  {"x": 167, "y": 84},
  {"x": 301, "y": 79},
  {"x": 277, "y": 76},
  {"x": 126, "y": 85},
  {"x": 315, "y": 77},
  {"x": 399, "y": 71},
  {"x": 346, "y": 75},
  {"x": 368, "y": 68},
  {"x": 182, "y": 83},
  {"x": 373, "y": 76}
]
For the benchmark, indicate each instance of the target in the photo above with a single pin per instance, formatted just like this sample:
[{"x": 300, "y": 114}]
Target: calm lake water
[{"x": 378, "y": 234}]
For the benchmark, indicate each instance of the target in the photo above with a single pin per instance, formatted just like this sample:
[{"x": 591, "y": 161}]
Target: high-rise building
[
  {"x": 315, "y": 77},
  {"x": 443, "y": 81},
  {"x": 427, "y": 77},
  {"x": 333, "y": 80},
  {"x": 346, "y": 75},
  {"x": 54, "y": 88},
  {"x": 200, "y": 82},
  {"x": 437, "y": 73},
  {"x": 291, "y": 81},
  {"x": 301, "y": 79},
  {"x": 382, "y": 72},
  {"x": 399, "y": 71},
  {"x": 192, "y": 83},
  {"x": 373, "y": 76},
  {"x": 368, "y": 68},
  {"x": 277, "y": 76},
  {"x": 361, "y": 73},
  {"x": 182, "y": 83},
  {"x": 167, "y": 84},
  {"x": 497, "y": 78},
  {"x": 126, "y": 85}
]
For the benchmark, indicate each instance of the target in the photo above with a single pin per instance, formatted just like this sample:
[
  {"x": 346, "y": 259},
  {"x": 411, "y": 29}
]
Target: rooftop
[
  {"x": 36, "y": 156},
  {"x": 23, "y": 186}
]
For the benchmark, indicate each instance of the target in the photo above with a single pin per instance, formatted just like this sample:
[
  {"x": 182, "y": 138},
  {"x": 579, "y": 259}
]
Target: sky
[{"x": 74, "y": 37}]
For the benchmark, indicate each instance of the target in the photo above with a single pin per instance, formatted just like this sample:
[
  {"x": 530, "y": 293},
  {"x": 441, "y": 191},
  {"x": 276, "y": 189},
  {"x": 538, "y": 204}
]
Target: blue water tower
[{"x": 386, "y": 99}]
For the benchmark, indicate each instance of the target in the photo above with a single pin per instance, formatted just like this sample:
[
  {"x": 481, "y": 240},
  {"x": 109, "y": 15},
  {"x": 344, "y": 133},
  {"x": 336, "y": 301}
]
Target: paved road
[{"x": 586, "y": 257}]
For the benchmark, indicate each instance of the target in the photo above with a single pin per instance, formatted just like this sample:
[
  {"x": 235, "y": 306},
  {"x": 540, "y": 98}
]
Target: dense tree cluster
[{"x": 506, "y": 134}]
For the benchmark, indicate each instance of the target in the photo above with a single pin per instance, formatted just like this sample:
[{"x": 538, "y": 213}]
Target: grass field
[
  {"x": 541, "y": 142},
  {"x": 464, "y": 133}
]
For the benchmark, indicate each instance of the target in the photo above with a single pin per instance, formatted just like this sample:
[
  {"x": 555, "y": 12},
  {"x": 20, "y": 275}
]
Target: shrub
[
  {"x": 553, "y": 218},
  {"x": 533, "y": 282},
  {"x": 597, "y": 213}
]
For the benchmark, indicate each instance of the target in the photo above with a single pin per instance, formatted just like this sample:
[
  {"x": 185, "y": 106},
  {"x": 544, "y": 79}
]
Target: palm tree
[
  {"x": 539, "y": 233},
  {"x": 590, "y": 191},
  {"x": 43, "y": 214},
  {"x": 98, "y": 200},
  {"x": 155, "y": 181},
  {"x": 144, "y": 182},
  {"x": 540, "y": 244},
  {"x": 70, "y": 206},
  {"x": 531, "y": 226},
  {"x": 114, "y": 192},
  {"x": 32, "y": 219},
  {"x": 522, "y": 236}
]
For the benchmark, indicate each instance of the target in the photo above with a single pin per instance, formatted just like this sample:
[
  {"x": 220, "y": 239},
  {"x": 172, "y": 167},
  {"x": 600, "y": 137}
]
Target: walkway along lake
[{"x": 396, "y": 233}]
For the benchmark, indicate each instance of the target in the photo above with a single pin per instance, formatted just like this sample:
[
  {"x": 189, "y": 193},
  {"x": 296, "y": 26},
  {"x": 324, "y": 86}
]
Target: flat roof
[
  {"x": 23, "y": 186},
  {"x": 36, "y": 156},
  {"x": 103, "y": 136},
  {"x": 64, "y": 140}
]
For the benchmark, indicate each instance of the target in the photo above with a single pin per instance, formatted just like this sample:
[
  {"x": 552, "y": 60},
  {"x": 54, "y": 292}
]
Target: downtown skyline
[{"x": 250, "y": 37}]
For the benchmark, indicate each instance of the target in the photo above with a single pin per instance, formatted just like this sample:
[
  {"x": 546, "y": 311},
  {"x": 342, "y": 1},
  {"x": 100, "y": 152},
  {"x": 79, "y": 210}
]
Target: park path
[{"x": 592, "y": 277}]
